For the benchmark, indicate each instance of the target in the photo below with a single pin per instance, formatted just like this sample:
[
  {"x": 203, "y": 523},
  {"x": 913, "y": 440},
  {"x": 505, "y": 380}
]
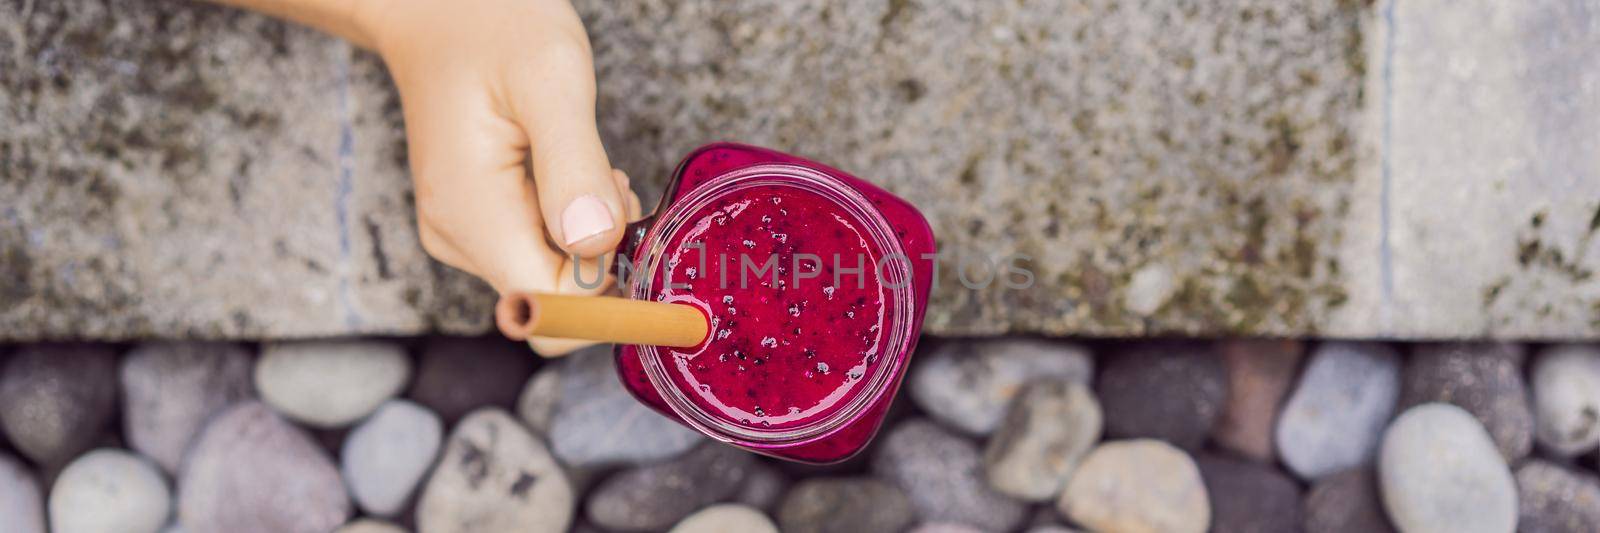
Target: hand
[{"x": 491, "y": 89}]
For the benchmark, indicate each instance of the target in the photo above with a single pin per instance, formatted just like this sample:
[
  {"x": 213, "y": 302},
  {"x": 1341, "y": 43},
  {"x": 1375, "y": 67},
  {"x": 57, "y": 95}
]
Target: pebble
[
  {"x": 726, "y": 518},
  {"x": 1483, "y": 378},
  {"x": 1260, "y": 373},
  {"x": 841, "y": 505},
  {"x": 536, "y": 406},
  {"x": 1050, "y": 426},
  {"x": 1137, "y": 486},
  {"x": 967, "y": 385},
  {"x": 1249, "y": 497},
  {"x": 495, "y": 476},
  {"x": 1439, "y": 471},
  {"x": 109, "y": 491},
  {"x": 368, "y": 525},
  {"x": 170, "y": 389},
  {"x": 763, "y": 486},
  {"x": 942, "y": 475},
  {"x": 1336, "y": 415},
  {"x": 387, "y": 455},
  {"x": 946, "y": 527},
  {"x": 654, "y": 497},
  {"x": 250, "y": 470},
  {"x": 597, "y": 422},
  {"x": 1553, "y": 499},
  {"x": 1566, "y": 394},
  {"x": 330, "y": 384},
  {"x": 20, "y": 501},
  {"x": 456, "y": 375},
  {"x": 1346, "y": 501},
  {"x": 58, "y": 399},
  {"x": 1168, "y": 391}
]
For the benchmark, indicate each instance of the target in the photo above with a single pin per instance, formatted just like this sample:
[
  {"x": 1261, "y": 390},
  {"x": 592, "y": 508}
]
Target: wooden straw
[{"x": 599, "y": 318}]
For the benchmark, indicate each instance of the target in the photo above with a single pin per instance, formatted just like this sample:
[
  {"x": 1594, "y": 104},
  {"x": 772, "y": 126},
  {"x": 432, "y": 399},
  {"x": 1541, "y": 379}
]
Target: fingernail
[{"x": 585, "y": 217}]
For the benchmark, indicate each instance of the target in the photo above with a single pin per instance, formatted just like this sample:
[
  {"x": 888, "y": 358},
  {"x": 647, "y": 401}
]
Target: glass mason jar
[{"x": 800, "y": 367}]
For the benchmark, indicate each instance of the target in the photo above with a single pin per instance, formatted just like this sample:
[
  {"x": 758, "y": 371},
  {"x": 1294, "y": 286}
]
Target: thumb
[{"x": 583, "y": 209}]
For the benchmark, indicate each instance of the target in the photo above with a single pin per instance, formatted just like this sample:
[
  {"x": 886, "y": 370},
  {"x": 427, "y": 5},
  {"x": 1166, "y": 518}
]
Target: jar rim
[{"x": 897, "y": 277}]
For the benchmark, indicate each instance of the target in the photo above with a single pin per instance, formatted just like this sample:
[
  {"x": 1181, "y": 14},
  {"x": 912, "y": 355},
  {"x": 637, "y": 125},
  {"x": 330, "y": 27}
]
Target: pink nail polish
[{"x": 585, "y": 217}]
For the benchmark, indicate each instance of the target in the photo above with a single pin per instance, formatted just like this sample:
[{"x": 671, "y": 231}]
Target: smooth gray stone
[
  {"x": 57, "y": 399},
  {"x": 942, "y": 474},
  {"x": 21, "y": 501},
  {"x": 387, "y": 456},
  {"x": 330, "y": 383},
  {"x": 967, "y": 385},
  {"x": 170, "y": 389},
  {"x": 1552, "y": 499},
  {"x": 1336, "y": 414},
  {"x": 1440, "y": 472},
  {"x": 598, "y": 423},
  {"x": 842, "y": 505},
  {"x": 250, "y": 470},
  {"x": 654, "y": 497}
]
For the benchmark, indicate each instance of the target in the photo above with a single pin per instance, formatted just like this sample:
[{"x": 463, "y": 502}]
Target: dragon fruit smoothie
[{"x": 808, "y": 341}]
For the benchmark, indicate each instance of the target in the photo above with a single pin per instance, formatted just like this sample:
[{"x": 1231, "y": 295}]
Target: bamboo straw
[{"x": 599, "y": 318}]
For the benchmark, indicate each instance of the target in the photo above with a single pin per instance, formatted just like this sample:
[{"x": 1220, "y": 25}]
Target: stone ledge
[{"x": 1245, "y": 167}]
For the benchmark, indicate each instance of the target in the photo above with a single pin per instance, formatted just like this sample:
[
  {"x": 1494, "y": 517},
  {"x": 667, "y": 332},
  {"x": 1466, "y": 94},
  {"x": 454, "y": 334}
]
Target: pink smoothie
[{"x": 793, "y": 346}]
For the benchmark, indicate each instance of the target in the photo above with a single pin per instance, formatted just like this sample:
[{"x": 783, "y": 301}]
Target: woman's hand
[{"x": 492, "y": 89}]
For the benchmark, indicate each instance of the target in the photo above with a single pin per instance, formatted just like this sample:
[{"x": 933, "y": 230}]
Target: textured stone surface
[
  {"x": 1211, "y": 147},
  {"x": 942, "y": 474},
  {"x": 170, "y": 389},
  {"x": 495, "y": 476},
  {"x": 1483, "y": 378},
  {"x": 654, "y": 497},
  {"x": 1553, "y": 499},
  {"x": 1239, "y": 166},
  {"x": 1486, "y": 165},
  {"x": 1050, "y": 426},
  {"x": 1439, "y": 472},
  {"x": 1168, "y": 391},
  {"x": 1566, "y": 396},
  {"x": 58, "y": 399}
]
